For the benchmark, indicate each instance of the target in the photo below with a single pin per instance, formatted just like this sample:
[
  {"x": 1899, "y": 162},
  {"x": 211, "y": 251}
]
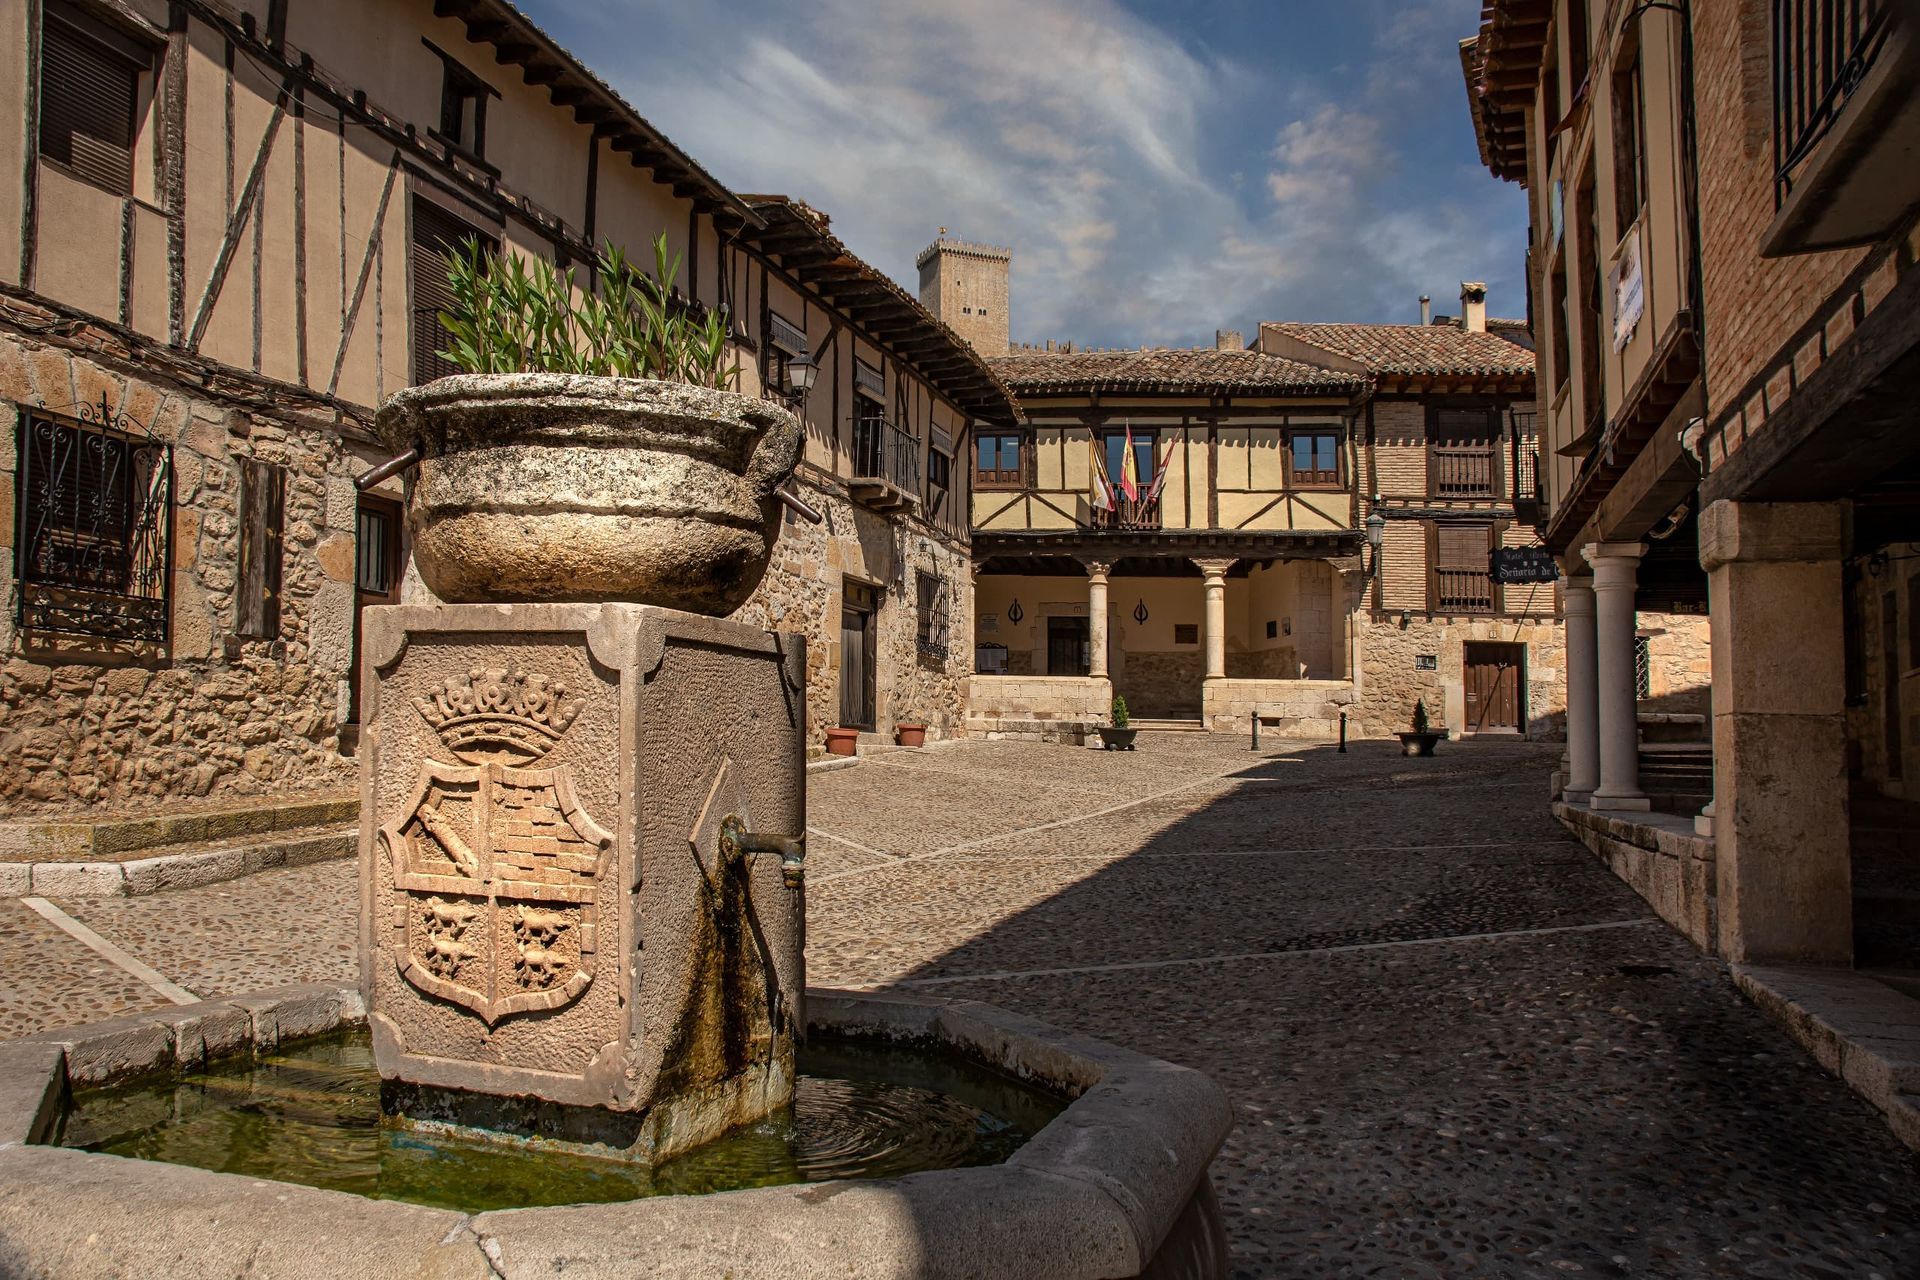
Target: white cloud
[{"x": 1080, "y": 135}]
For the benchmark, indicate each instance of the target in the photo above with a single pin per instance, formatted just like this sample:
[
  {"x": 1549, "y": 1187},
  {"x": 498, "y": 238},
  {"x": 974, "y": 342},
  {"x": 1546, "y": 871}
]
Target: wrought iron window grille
[
  {"x": 93, "y": 545},
  {"x": 1822, "y": 50}
]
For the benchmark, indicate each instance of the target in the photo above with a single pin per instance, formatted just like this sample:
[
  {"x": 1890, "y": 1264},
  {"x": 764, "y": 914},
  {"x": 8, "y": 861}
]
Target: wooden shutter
[
  {"x": 89, "y": 85},
  {"x": 436, "y": 233},
  {"x": 263, "y": 490}
]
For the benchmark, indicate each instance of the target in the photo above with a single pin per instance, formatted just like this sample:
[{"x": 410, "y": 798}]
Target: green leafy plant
[
  {"x": 1420, "y": 716},
  {"x": 512, "y": 317},
  {"x": 1120, "y": 717}
]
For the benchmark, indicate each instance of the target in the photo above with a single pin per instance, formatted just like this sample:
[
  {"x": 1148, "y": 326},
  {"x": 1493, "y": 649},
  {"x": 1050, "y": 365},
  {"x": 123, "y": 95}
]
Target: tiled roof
[
  {"x": 1414, "y": 349},
  {"x": 1202, "y": 370}
]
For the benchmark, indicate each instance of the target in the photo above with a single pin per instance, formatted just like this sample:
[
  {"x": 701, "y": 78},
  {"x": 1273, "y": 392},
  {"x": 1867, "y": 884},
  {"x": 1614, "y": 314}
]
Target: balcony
[
  {"x": 1846, "y": 124},
  {"x": 1462, "y": 591},
  {"x": 886, "y": 466},
  {"x": 1464, "y": 471},
  {"x": 1523, "y": 470},
  {"x": 1127, "y": 515}
]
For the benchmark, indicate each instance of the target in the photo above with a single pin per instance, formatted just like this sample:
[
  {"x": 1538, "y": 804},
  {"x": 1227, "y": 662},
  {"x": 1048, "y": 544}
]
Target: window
[
  {"x": 1578, "y": 34},
  {"x": 1561, "y": 318},
  {"x": 1629, "y": 145},
  {"x": 939, "y": 479},
  {"x": 89, "y": 95},
  {"x": 785, "y": 340},
  {"x": 1313, "y": 459},
  {"x": 1643, "y": 667},
  {"x": 436, "y": 233},
  {"x": 1460, "y": 583},
  {"x": 463, "y": 106},
  {"x": 1462, "y": 460},
  {"x": 1186, "y": 633},
  {"x": 932, "y": 617},
  {"x": 996, "y": 461},
  {"x": 1593, "y": 289},
  {"x": 263, "y": 502},
  {"x": 95, "y": 512},
  {"x": 377, "y": 546}
]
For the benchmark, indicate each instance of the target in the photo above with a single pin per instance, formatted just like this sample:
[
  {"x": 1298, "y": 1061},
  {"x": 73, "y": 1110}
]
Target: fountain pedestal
[{"x": 561, "y": 931}]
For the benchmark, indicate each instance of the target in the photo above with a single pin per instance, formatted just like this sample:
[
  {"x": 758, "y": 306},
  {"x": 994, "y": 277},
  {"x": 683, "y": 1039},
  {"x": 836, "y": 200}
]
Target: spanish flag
[{"x": 1130, "y": 470}]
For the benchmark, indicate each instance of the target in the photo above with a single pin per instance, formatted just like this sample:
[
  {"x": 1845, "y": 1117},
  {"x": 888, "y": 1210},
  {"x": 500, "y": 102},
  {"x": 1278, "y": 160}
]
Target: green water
[{"x": 311, "y": 1114}]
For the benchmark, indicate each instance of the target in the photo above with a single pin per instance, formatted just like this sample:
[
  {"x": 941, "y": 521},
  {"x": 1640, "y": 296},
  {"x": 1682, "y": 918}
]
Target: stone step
[
  {"x": 84, "y": 838},
  {"x": 1673, "y": 726},
  {"x": 1152, "y": 724},
  {"x": 180, "y": 867}
]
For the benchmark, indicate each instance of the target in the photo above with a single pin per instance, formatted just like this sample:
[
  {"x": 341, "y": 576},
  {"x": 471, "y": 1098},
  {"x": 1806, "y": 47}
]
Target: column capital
[
  {"x": 1215, "y": 570},
  {"x": 1749, "y": 532},
  {"x": 1577, "y": 596},
  {"x": 1595, "y": 552},
  {"x": 1096, "y": 568}
]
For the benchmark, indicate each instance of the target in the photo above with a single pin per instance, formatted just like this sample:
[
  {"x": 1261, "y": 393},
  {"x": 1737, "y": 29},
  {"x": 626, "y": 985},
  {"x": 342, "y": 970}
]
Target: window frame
[
  {"x": 998, "y": 478},
  {"x": 459, "y": 82},
  {"x": 1495, "y": 602},
  {"x": 1297, "y": 479},
  {"x": 1627, "y": 92},
  {"x": 420, "y": 200},
  {"x": 1494, "y": 435}
]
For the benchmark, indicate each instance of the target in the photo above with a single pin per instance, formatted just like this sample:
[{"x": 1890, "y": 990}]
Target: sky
[{"x": 1159, "y": 169}]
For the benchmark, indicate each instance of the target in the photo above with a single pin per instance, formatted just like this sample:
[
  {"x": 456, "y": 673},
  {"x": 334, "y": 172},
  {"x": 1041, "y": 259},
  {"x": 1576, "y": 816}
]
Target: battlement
[{"x": 962, "y": 248}]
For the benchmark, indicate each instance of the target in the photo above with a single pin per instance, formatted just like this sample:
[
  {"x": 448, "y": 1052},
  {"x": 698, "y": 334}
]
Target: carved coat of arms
[{"x": 496, "y": 866}]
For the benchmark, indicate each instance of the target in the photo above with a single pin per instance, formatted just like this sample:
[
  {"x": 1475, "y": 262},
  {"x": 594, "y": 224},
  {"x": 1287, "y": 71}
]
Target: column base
[
  {"x": 1573, "y": 795},
  {"x": 1635, "y": 802}
]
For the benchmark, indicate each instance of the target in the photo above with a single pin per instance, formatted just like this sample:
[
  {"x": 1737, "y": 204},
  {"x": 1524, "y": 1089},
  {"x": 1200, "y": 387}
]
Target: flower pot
[
  {"x": 910, "y": 735},
  {"x": 1117, "y": 739},
  {"x": 1421, "y": 744},
  {"x": 557, "y": 487},
  {"x": 842, "y": 742}
]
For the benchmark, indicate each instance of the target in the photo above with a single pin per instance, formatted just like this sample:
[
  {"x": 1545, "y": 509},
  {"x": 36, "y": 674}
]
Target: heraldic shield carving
[{"x": 497, "y": 866}]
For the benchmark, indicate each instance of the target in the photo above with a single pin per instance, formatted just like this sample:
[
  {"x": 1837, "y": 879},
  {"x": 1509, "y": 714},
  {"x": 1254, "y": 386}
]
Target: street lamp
[
  {"x": 801, "y": 371},
  {"x": 1376, "y": 535}
]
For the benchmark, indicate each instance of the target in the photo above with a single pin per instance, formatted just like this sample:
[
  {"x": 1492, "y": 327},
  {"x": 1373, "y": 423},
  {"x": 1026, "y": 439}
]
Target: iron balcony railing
[
  {"x": 882, "y": 451},
  {"x": 1463, "y": 471},
  {"x": 1127, "y": 513},
  {"x": 1523, "y": 473},
  {"x": 1463, "y": 590},
  {"x": 1822, "y": 50}
]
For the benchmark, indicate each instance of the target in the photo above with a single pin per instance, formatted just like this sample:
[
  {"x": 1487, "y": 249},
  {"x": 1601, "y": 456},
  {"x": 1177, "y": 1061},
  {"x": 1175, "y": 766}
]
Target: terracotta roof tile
[
  {"x": 1413, "y": 349},
  {"x": 1202, "y": 370}
]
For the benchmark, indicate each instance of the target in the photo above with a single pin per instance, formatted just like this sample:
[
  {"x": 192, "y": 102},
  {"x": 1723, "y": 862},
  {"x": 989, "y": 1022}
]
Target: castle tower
[{"x": 965, "y": 285}]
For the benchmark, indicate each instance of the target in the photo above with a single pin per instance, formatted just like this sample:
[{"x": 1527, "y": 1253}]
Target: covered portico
[{"x": 1185, "y": 625}]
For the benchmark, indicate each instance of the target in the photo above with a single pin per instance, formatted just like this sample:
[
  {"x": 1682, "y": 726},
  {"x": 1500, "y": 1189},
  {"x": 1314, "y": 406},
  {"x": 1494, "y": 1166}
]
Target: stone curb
[
  {"x": 832, "y": 764},
  {"x": 127, "y": 834},
  {"x": 1116, "y": 1185},
  {"x": 1856, "y": 1028},
  {"x": 166, "y": 871}
]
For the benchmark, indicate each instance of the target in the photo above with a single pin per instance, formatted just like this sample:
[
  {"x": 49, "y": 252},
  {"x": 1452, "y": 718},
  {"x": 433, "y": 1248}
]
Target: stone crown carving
[{"x": 494, "y": 712}]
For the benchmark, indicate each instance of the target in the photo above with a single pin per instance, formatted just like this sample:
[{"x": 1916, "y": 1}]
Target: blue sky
[{"x": 1160, "y": 169}]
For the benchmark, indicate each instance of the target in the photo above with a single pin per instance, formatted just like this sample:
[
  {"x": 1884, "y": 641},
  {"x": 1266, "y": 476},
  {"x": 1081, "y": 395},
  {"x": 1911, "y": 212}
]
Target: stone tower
[{"x": 965, "y": 285}]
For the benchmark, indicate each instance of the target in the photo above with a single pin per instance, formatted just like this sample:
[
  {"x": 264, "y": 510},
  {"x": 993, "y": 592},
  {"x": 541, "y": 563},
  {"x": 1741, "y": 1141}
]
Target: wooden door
[
  {"x": 1068, "y": 645},
  {"x": 1890, "y": 681},
  {"x": 1494, "y": 677},
  {"x": 856, "y": 657}
]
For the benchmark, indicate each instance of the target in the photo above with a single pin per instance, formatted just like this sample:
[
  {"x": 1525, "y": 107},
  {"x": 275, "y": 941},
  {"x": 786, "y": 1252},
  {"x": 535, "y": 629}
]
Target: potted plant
[
  {"x": 594, "y": 448},
  {"x": 910, "y": 735},
  {"x": 1119, "y": 735},
  {"x": 842, "y": 741},
  {"x": 1422, "y": 740}
]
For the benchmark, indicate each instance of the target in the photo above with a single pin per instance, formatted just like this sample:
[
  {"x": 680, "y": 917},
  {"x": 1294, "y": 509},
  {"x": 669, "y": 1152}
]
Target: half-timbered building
[{"x": 230, "y": 218}]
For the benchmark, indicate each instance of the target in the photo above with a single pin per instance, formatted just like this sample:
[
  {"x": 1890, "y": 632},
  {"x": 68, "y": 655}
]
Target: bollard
[
  {"x": 1256, "y": 728},
  {"x": 1343, "y": 733}
]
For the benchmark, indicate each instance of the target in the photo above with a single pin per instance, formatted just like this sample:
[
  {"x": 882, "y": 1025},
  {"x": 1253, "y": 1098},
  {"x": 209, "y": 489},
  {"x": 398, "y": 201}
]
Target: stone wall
[
  {"x": 87, "y": 723},
  {"x": 1162, "y": 684},
  {"x": 1038, "y": 708},
  {"x": 804, "y": 588},
  {"x": 1680, "y": 663},
  {"x": 1392, "y": 679},
  {"x": 1308, "y": 709}
]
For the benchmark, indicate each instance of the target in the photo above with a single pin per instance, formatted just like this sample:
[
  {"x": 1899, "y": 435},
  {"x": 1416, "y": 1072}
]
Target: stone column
[
  {"x": 1215, "y": 573},
  {"x": 1779, "y": 731},
  {"x": 1583, "y": 695},
  {"x": 1616, "y": 566},
  {"x": 1097, "y": 571}
]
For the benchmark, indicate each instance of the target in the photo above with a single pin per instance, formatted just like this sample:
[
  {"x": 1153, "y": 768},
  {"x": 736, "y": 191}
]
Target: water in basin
[{"x": 311, "y": 1114}]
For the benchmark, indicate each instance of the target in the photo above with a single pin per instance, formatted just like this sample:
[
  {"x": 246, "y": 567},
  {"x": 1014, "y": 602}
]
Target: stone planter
[
  {"x": 1117, "y": 739},
  {"x": 557, "y": 487},
  {"x": 910, "y": 735},
  {"x": 842, "y": 742},
  {"x": 1421, "y": 744}
]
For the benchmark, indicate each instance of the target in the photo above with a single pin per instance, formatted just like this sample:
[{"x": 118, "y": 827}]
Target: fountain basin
[{"x": 1116, "y": 1185}]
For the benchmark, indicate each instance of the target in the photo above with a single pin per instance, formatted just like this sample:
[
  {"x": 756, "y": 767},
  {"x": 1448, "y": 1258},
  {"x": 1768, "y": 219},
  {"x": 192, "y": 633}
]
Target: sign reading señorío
[{"x": 1521, "y": 564}]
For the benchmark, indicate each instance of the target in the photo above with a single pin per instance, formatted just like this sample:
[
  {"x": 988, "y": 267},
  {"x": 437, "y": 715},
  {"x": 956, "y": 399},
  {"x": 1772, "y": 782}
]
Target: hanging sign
[
  {"x": 1629, "y": 292},
  {"x": 1522, "y": 564}
]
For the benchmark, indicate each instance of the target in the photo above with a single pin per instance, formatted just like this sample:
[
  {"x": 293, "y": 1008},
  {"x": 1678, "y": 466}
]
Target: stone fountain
[{"x": 582, "y": 869}]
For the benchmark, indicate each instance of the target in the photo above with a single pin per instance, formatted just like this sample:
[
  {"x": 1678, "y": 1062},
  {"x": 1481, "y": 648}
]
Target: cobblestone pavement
[{"x": 1456, "y": 1045}]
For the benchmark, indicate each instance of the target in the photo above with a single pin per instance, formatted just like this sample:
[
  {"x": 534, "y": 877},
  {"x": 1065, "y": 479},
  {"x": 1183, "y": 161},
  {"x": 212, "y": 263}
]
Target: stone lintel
[{"x": 1754, "y": 532}]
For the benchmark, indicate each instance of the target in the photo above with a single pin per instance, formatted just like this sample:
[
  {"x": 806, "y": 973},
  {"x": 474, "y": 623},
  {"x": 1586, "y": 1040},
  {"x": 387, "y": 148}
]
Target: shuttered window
[
  {"x": 436, "y": 233},
  {"x": 263, "y": 501},
  {"x": 1460, "y": 581},
  {"x": 89, "y": 90}
]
